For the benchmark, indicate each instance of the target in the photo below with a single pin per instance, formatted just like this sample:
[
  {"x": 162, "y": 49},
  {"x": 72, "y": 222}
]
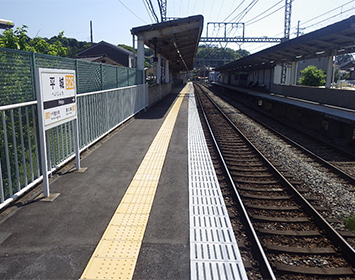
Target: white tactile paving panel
[{"x": 214, "y": 252}]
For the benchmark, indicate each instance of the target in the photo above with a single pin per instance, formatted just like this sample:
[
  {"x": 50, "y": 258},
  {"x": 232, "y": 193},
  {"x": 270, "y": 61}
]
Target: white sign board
[{"x": 58, "y": 96}]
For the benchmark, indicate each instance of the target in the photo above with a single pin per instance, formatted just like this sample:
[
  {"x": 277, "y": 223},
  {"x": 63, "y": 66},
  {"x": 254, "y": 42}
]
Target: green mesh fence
[
  {"x": 109, "y": 77},
  {"x": 122, "y": 74},
  {"x": 17, "y": 74},
  {"x": 54, "y": 62},
  {"x": 98, "y": 113},
  {"x": 88, "y": 77},
  {"x": 16, "y": 77},
  {"x": 132, "y": 76}
]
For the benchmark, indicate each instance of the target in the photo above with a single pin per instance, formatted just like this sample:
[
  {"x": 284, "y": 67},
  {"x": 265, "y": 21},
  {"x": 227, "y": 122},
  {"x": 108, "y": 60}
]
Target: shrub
[{"x": 311, "y": 76}]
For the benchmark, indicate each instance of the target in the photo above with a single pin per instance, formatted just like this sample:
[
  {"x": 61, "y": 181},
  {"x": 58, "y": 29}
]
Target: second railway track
[
  {"x": 298, "y": 242},
  {"x": 327, "y": 187}
]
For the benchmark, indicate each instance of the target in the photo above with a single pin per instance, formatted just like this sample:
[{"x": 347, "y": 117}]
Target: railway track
[
  {"x": 298, "y": 242},
  {"x": 340, "y": 161},
  {"x": 332, "y": 190}
]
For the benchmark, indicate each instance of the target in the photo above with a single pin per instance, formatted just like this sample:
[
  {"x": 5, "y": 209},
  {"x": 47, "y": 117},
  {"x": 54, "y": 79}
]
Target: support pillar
[
  {"x": 159, "y": 69},
  {"x": 134, "y": 59},
  {"x": 140, "y": 54},
  {"x": 167, "y": 72},
  {"x": 328, "y": 81},
  {"x": 293, "y": 78}
]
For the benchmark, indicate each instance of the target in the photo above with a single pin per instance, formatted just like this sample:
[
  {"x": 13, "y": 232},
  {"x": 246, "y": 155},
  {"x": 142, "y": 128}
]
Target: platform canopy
[
  {"x": 6, "y": 24},
  {"x": 176, "y": 40},
  {"x": 335, "y": 39}
]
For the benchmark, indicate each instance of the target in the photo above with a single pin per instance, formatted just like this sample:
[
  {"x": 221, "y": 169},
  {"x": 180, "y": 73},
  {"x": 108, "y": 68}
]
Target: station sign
[{"x": 58, "y": 96}]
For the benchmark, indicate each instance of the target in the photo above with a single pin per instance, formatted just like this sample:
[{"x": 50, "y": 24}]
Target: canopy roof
[
  {"x": 176, "y": 40},
  {"x": 5, "y": 24},
  {"x": 338, "y": 38}
]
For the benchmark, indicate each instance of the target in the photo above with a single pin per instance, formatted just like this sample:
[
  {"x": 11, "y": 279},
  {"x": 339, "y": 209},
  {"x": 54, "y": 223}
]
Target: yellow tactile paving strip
[{"x": 116, "y": 254}]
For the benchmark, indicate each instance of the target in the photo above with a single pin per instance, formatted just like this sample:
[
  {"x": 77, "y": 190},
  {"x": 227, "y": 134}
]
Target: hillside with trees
[
  {"x": 209, "y": 52},
  {"x": 213, "y": 56},
  {"x": 59, "y": 45},
  {"x": 19, "y": 40}
]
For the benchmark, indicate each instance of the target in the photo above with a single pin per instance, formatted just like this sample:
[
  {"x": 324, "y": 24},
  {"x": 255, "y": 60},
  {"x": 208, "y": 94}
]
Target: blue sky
[{"x": 113, "y": 19}]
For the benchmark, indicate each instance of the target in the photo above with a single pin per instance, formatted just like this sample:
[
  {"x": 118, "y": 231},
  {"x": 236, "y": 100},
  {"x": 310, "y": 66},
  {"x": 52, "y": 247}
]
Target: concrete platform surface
[{"x": 55, "y": 240}]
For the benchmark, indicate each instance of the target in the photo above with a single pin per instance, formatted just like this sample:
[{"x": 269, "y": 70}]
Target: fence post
[
  {"x": 102, "y": 76},
  {"x": 2, "y": 193},
  {"x": 76, "y": 75},
  {"x": 33, "y": 70},
  {"x": 116, "y": 77}
]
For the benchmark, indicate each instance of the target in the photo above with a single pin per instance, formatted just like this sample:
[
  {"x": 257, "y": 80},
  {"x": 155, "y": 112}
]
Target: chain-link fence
[
  {"x": 17, "y": 74},
  {"x": 107, "y": 96}
]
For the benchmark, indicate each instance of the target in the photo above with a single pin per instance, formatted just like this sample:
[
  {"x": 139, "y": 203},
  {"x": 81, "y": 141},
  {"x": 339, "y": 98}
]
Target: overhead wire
[
  {"x": 316, "y": 17},
  {"x": 151, "y": 8},
  {"x": 149, "y": 14},
  {"x": 267, "y": 15},
  {"x": 329, "y": 18},
  {"x": 254, "y": 20},
  {"x": 160, "y": 9},
  {"x": 153, "y": 11},
  {"x": 257, "y": 18},
  {"x": 234, "y": 10},
  {"x": 211, "y": 10},
  {"x": 328, "y": 12},
  {"x": 245, "y": 11},
  {"x": 219, "y": 12},
  {"x": 131, "y": 11},
  {"x": 242, "y": 14}
]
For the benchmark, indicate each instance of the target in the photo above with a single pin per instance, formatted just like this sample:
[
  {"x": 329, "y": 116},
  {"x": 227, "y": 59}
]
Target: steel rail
[
  {"x": 332, "y": 234},
  {"x": 319, "y": 159},
  {"x": 265, "y": 266}
]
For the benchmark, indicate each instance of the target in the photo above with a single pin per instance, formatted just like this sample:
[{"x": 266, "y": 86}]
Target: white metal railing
[{"x": 98, "y": 114}]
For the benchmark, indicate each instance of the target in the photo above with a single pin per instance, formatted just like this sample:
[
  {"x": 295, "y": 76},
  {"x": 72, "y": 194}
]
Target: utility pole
[
  {"x": 163, "y": 10},
  {"x": 288, "y": 6},
  {"x": 162, "y": 7},
  {"x": 91, "y": 33}
]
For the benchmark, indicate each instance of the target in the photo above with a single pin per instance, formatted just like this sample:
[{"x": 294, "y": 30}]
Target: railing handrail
[
  {"x": 23, "y": 148},
  {"x": 17, "y": 105},
  {"x": 107, "y": 90},
  {"x": 30, "y": 103}
]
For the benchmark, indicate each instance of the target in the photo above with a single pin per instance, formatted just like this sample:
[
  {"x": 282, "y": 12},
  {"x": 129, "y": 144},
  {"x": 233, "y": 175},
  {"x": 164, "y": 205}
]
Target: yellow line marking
[{"x": 117, "y": 252}]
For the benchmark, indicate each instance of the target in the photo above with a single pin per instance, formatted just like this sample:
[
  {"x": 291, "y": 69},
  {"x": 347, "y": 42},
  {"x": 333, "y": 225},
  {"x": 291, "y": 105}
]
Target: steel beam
[{"x": 240, "y": 40}]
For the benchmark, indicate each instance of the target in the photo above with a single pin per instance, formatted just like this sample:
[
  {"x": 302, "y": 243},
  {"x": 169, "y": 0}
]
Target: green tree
[
  {"x": 17, "y": 39},
  {"x": 208, "y": 52},
  {"x": 312, "y": 76},
  {"x": 218, "y": 55}
]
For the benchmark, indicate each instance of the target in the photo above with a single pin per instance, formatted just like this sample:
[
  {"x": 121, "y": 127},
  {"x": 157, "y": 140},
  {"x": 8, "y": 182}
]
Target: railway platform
[
  {"x": 138, "y": 212},
  {"x": 332, "y": 122},
  {"x": 340, "y": 114}
]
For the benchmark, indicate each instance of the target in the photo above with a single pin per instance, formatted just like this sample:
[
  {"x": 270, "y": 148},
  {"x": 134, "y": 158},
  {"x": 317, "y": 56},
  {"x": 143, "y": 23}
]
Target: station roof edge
[{"x": 332, "y": 39}]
